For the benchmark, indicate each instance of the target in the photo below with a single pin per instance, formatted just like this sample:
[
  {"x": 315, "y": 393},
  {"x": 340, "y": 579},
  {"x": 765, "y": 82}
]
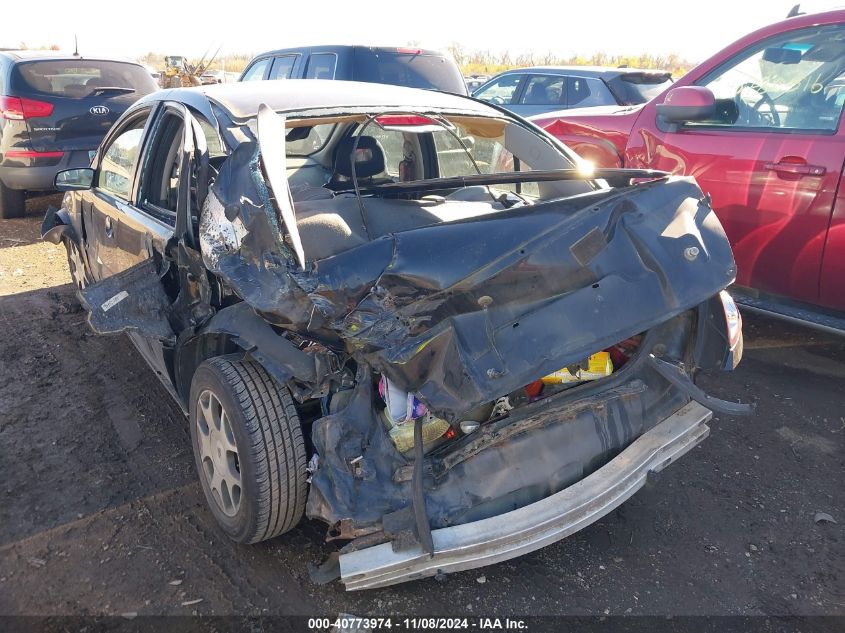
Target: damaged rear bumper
[{"x": 536, "y": 525}]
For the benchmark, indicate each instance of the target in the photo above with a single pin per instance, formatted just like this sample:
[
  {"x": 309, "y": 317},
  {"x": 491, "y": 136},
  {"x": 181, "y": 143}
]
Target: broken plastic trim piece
[{"x": 676, "y": 375}]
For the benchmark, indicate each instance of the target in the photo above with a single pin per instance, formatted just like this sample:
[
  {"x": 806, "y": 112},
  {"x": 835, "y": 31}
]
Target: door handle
[
  {"x": 109, "y": 228},
  {"x": 796, "y": 168}
]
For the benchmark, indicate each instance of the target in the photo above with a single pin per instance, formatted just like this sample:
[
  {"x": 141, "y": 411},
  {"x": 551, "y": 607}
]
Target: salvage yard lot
[{"x": 101, "y": 512}]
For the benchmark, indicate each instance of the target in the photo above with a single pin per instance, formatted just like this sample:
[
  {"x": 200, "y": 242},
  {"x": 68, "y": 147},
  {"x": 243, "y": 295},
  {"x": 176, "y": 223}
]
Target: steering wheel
[
  {"x": 497, "y": 100},
  {"x": 771, "y": 117}
]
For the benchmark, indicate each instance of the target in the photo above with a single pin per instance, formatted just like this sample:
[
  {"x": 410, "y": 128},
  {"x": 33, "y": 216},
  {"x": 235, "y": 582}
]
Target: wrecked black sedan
[{"x": 410, "y": 315}]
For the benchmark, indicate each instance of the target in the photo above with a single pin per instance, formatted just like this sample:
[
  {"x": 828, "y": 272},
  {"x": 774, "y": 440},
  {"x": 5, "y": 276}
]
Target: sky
[{"x": 692, "y": 30}]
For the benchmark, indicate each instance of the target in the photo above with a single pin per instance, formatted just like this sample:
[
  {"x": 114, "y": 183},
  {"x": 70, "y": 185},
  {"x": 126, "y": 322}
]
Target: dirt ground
[{"x": 101, "y": 513}]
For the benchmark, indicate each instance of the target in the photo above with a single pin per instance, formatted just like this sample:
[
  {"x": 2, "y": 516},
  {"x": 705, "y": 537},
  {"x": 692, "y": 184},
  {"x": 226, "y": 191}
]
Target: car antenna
[
  {"x": 75, "y": 46},
  {"x": 795, "y": 11}
]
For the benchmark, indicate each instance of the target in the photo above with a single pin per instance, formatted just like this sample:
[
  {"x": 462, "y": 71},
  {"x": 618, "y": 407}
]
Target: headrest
[{"x": 369, "y": 157}]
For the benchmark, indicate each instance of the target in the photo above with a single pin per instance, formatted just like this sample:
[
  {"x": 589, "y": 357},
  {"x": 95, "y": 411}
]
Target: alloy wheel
[{"x": 218, "y": 453}]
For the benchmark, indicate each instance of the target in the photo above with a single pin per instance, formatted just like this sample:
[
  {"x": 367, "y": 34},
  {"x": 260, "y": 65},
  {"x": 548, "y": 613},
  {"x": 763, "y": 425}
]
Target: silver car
[{"x": 538, "y": 90}]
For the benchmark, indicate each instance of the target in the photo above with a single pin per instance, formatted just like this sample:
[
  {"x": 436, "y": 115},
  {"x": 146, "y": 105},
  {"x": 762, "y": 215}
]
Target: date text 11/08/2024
[{"x": 351, "y": 623}]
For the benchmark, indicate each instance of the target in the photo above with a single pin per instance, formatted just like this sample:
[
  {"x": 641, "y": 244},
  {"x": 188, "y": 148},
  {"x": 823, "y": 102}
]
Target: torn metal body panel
[
  {"x": 463, "y": 312},
  {"x": 144, "y": 308},
  {"x": 475, "y": 371}
]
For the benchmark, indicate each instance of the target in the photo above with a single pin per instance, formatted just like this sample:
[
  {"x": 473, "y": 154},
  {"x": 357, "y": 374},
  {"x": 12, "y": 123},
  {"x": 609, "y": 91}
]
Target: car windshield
[
  {"x": 80, "y": 78},
  {"x": 790, "y": 81}
]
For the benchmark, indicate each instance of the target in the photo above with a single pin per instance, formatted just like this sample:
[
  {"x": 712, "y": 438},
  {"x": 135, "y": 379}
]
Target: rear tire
[
  {"x": 248, "y": 449},
  {"x": 12, "y": 202}
]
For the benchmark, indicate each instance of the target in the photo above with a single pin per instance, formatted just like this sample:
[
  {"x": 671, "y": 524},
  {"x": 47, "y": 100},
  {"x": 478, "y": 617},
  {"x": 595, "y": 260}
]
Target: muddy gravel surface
[{"x": 101, "y": 513}]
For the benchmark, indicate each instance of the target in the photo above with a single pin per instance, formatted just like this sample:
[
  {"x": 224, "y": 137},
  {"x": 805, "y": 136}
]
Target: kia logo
[{"x": 99, "y": 110}]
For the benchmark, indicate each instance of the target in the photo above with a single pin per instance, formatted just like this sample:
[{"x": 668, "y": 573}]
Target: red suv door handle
[{"x": 794, "y": 167}]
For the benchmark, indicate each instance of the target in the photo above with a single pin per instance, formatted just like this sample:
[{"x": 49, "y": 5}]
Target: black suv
[
  {"x": 403, "y": 66},
  {"x": 54, "y": 111}
]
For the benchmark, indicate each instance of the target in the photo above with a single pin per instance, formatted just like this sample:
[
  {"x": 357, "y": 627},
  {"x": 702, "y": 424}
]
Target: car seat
[
  {"x": 537, "y": 95},
  {"x": 369, "y": 162}
]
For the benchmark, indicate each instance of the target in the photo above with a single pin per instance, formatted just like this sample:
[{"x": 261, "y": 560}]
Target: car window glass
[
  {"x": 411, "y": 68},
  {"x": 393, "y": 144},
  {"x": 119, "y": 159},
  {"x": 162, "y": 165},
  {"x": 283, "y": 67},
  {"x": 257, "y": 70},
  {"x": 792, "y": 81},
  {"x": 544, "y": 90},
  {"x": 72, "y": 78},
  {"x": 501, "y": 90},
  {"x": 321, "y": 66},
  {"x": 212, "y": 138},
  {"x": 314, "y": 142},
  {"x": 462, "y": 154},
  {"x": 585, "y": 92}
]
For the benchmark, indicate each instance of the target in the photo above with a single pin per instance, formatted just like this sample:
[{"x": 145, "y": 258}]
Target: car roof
[
  {"x": 348, "y": 47},
  {"x": 23, "y": 55},
  {"x": 242, "y": 99}
]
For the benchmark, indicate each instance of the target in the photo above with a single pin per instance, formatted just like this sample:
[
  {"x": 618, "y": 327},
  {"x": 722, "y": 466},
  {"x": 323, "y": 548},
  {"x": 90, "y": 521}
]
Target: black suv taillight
[{"x": 19, "y": 108}]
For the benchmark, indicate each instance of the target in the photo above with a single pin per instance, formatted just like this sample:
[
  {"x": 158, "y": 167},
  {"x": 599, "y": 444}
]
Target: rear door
[
  {"x": 286, "y": 66},
  {"x": 85, "y": 98},
  {"x": 771, "y": 158},
  {"x": 587, "y": 92},
  {"x": 541, "y": 93},
  {"x": 321, "y": 65}
]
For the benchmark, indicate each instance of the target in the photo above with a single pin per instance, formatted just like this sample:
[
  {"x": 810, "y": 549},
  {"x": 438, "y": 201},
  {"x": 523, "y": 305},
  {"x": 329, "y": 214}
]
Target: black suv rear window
[
  {"x": 78, "y": 77},
  {"x": 408, "y": 69}
]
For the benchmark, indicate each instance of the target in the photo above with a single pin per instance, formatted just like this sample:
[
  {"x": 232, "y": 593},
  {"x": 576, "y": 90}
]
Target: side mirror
[
  {"x": 79, "y": 179},
  {"x": 687, "y": 103}
]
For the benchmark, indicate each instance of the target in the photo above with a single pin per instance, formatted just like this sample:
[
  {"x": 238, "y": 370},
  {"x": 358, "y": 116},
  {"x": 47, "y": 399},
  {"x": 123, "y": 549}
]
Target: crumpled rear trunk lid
[{"x": 463, "y": 312}]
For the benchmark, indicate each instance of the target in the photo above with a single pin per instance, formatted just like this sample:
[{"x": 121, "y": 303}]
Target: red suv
[{"x": 759, "y": 127}]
